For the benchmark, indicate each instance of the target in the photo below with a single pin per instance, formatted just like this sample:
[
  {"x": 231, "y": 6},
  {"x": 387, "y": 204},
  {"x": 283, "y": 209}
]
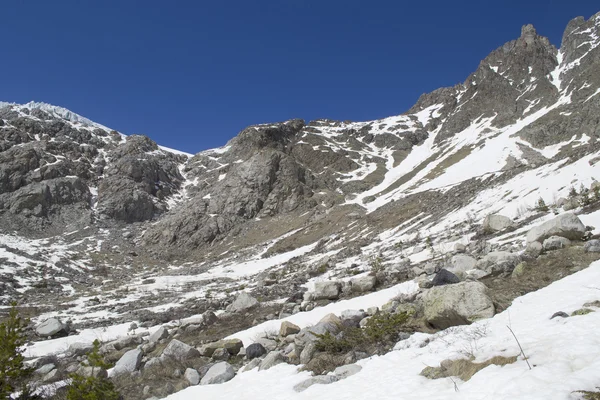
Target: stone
[
  {"x": 556, "y": 243},
  {"x": 418, "y": 249},
  {"x": 372, "y": 310},
  {"x": 363, "y": 284},
  {"x": 444, "y": 277},
  {"x": 51, "y": 327},
  {"x": 271, "y": 360},
  {"x": 347, "y": 370},
  {"x": 458, "y": 304},
  {"x": 221, "y": 355},
  {"x": 519, "y": 270},
  {"x": 80, "y": 348},
  {"x": 496, "y": 223},
  {"x": 308, "y": 353},
  {"x": 159, "y": 334},
  {"x": 96, "y": 372},
  {"x": 255, "y": 362},
  {"x": 255, "y": 350},
  {"x": 363, "y": 322},
  {"x": 498, "y": 261},
  {"x": 192, "y": 376},
  {"x": 430, "y": 268},
  {"x": 179, "y": 351},
  {"x": 560, "y": 314},
  {"x": 329, "y": 323},
  {"x": 352, "y": 317},
  {"x": 460, "y": 248},
  {"x": 243, "y": 302},
  {"x": 51, "y": 376},
  {"x": 566, "y": 225},
  {"x": 287, "y": 328},
  {"x": 315, "y": 380},
  {"x": 461, "y": 263},
  {"x": 534, "y": 249},
  {"x": 218, "y": 373},
  {"x": 154, "y": 361},
  {"x": 209, "y": 318},
  {"x": 416, "y": 271},
  {"x": 592, "y": 246},
  {"x": 326, "y": 290},
  {"x": 268, "y": 344},
  {"x": 233, "y": 346},
  {"x": 129, "y": 362},
  {"x": 43, "y": 370}
]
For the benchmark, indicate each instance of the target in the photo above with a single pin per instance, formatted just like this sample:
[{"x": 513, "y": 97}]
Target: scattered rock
[
  {"x": 43, "y": 370},
  {"x": 592, "y": 246},
  {"x": 499, "y": 261},
  {"x": 255, "y": 350},
  {"x": 288, "y": 328},
  {"x": 444, "y": 277},
  {"x": 556, "y": 243},
  {"x": 218, "y": 373},
  {"x": 363, "y": 284},
  {"x": 233, "y": 346},
  {"x": 567, "y": 225},
  {"x": 326, "y": 290},
  {"x": 308, "y": 353},
  {"x": 160, "y": 333},
  {"x": 129, "y": 362},
  {"x": 221, "y": 355},
  {"x": 242, "y": 303},
  {"x": 560, "y": 314},
  {"x": 271, "y": 360},
  {"x": 534, "y": 249},
  {"x": 461, "y": 263},
  {"x": 496, "y": 223},
  {"x": 192, "y": 376},
  {"x": 179, "y": 351},
  {"x": 80, "y": 348},
  {"x": 458, "y": 304},
  {"x": 519, "y": 270},
  {"x": 51, "y": 327}
]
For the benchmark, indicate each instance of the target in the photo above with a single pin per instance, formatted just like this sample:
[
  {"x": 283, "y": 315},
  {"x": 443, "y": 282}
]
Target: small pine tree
[
  {"x": 541, "y": 205},
  {"x": 596, "y": 191},
  {"x": 573, "y": 192},
  {"x": 13, "y": 371},
  {"x": 93, "y": 387}
]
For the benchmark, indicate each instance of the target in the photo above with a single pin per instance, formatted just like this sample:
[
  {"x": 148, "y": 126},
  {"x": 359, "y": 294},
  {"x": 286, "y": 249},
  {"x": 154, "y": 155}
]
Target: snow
[{"x": 566, "y": 348}]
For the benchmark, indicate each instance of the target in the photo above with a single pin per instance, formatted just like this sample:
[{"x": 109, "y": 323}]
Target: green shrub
[
  {"x": 13, "y": 372},
  {"x": 92, "y": 387},
  {"x": 596, "y": 191},
  {"x": 587, "y": 395},
  {"x": 380, "y": 329},
  {"x": 541, "y": 205}
]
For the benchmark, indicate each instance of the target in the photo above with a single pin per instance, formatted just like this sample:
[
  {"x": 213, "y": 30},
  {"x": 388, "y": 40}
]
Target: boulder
[
  {"x": 315, "y": 380},
  {"x": 233, "y": 346},
  {"x": 218, "y": 373},
  {"x": 496, "y": 223},
  {"x": 252, "y": 364},
  {"x": 160, "y": 333},
  {"x": 179, "y": 351},
  {"x": 444, "y": 277},
  {"x": 566, "y": 225},
  {"x": 534, "y": 249},
  {"x": 51, "y": 327},
  {"x": 308, "y": 353},
  {"x": 221, "y": 355},
  {"x": 129, "y": 362},
  {"x": 363, "y": 284},
  {"x": 43, "y": 370},
  {"x": 556, "y": 243},
  {"x": 458, "y": 304},
  {"x": 96, "y": 372},
  {"x": 592, "y": 246},
  {"x": 268, "y": 344},
  {"x": 271, "y": 360},
  {"x": 460, "y": 248},
  {"x": 326, "y": 290},
  {"x": 243, "y": 302},
  {"x": 287, "y": 328},
  {"x": 192, "y": 376},
  {"x": 329, "y": 323},
  {"x": 347, "y": 370},
  {"x": 461, "y": 263},
  {"x": 80, "y": 348},
  {"x": 499, "y": 261},
  {"x": 255, "y": 350},
  {"x": 352, "y": 317}
]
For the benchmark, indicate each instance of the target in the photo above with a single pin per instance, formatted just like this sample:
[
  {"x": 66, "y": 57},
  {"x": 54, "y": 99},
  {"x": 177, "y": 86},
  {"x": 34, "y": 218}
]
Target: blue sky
[{"x": 191, "y": 74}]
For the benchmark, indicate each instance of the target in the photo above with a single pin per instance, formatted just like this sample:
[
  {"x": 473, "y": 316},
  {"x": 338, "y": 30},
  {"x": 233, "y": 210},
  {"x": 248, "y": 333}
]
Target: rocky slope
[{"x": 101, "y": 228}]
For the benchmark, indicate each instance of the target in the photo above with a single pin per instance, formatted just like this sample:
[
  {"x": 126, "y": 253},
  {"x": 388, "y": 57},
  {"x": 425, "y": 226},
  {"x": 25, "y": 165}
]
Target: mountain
[{"x": 104, "y": 229}]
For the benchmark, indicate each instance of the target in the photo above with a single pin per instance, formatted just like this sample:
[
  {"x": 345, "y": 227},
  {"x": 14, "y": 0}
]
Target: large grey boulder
[
  {"x": 566, "y": 225},
  {"x": 363, "y": 284},
  {"x": 80, "y": 348},
  {"x": 556, "y": 243},
  {"x": 592, "y": 246},
  {"x": 192, "y": 376},
  {"x": 495, "y": 223},
  {"x": 179, "y": 351},
  {"x": 326, "y": 290},
  {"x": 287, "y": 328},
  {"x": 232, "y": 346},
  {"x": 458, "y": 304},
  {"x": 160, "y": 333},
  {"x": 218, "y": 373},
  {"x": 315, "y": 380},
  {"x": 499, "y": 261},
  {"x": 271, "y": 360},
  {"x": 129, "y": 362},
  {"x": 461, "y": 263},
  {"x": 242, "y": 303},
  {"x": 444, "y": 277},
  {"x": 51, "y": 327},
  {"x": 329, "y": 323}
]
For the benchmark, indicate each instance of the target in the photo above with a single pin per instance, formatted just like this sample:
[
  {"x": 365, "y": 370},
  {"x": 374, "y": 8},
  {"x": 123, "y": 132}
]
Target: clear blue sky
[{"x": 191, "y": 74}]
